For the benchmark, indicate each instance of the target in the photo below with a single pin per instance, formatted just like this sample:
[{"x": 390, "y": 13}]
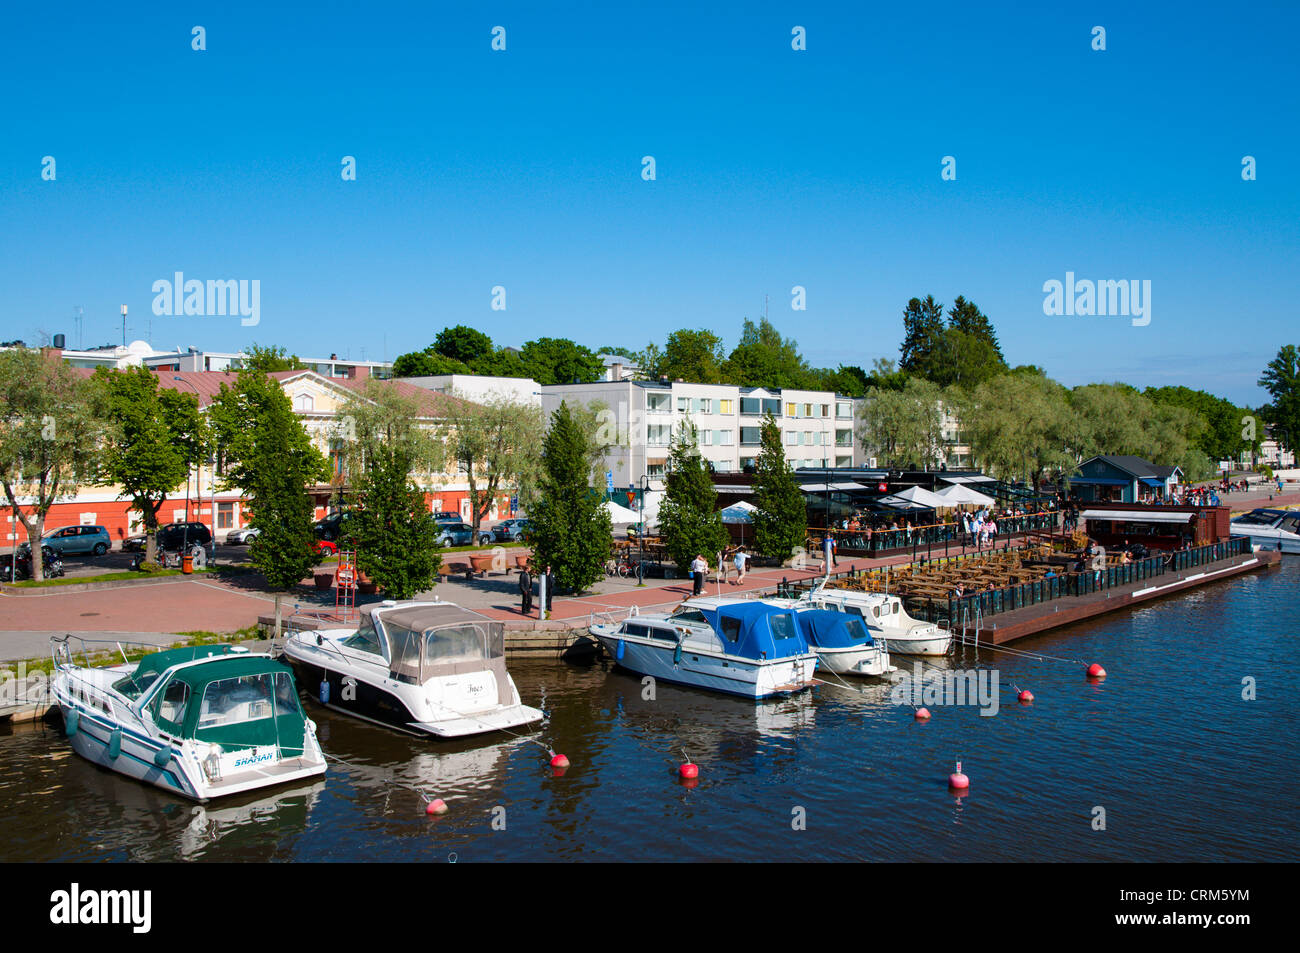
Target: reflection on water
[{"x": 1184, "y": 767}]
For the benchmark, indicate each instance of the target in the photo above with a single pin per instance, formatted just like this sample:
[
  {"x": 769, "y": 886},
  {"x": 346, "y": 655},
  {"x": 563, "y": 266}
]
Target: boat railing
[{"x": 611, "y": 616}]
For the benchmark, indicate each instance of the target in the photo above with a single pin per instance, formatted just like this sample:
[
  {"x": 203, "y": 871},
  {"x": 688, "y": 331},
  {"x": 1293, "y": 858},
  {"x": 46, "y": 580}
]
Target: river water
[{"x": 1165, "y": 751}]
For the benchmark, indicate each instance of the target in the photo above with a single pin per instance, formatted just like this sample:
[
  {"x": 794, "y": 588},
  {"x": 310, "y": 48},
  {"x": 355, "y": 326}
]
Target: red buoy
[
  {"x": 689, "y": 770},
  {"x": 1096, "y": 671},
  {"x": 923, "y": 714},
  {"x": 436, "y": 806},
  {"x": 559, "y": 761},
  {"x": 1026, "y": 697},
  {"x": 958, "y": 780}
]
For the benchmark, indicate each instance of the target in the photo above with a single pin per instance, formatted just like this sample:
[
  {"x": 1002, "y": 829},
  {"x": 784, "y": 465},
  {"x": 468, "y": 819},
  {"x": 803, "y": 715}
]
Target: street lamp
[
  {"x": 123, "y": 325},
  {"x": 644, "y": 484}
]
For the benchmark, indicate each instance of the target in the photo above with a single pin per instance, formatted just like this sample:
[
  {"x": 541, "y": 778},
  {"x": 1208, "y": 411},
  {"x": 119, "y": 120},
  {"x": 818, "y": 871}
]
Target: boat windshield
[
  {"x": 416, "y": 656},
  {"x": 689, "y": 615},
  {"x": 782, "y": 626},
  {"x": 857, "y": 631},
  {"x": 366, "y": 638}
]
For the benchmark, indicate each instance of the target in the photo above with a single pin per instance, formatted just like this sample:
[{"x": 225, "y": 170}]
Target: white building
[
  {"x": 193, "y": 359},
  {"x": 480, "y": 389},
  {"x": 639, "y": 417}
]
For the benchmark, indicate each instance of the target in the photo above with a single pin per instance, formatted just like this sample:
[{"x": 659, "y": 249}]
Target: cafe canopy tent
[
  {"x": 919, "y": 498},
  {"x": 962, "y": 495}
]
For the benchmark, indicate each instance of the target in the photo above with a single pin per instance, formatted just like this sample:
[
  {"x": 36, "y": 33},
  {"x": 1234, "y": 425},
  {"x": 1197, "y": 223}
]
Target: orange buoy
[
  {"x": 689, "y": 770},
  {"x": 1096, "y": 671},
  {"x": 958, "y": 780},
  {"x": 1026, "y": 697},
  {"x": 436, "y": 806},
  {"x": 923, "y": 714},
  {"x": 559, "y": 761}
]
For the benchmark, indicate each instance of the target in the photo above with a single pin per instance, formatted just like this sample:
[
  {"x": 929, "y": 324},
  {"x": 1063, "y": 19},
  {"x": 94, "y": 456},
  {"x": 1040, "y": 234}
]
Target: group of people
[
  {"x": 700, "y": 568},
  {"x": 526, "y": 588},
  {"x": 979, "y": 529}
]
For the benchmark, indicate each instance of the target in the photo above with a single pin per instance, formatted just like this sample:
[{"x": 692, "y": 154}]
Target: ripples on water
[{"x": 1184, "y": 768}]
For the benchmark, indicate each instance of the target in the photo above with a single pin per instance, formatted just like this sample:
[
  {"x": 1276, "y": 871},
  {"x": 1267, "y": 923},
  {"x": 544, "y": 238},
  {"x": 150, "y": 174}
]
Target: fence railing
[
  {"x": 874, "y": 542},
  {"x": 1009, "y": 598}
]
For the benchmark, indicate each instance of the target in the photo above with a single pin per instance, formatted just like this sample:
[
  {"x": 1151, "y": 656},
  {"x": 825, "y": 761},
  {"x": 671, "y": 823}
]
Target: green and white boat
[{"x": 199, "y": 721}]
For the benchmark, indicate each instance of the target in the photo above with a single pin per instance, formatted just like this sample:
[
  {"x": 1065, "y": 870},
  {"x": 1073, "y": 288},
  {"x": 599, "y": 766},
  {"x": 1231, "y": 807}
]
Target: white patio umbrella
[
  {"x": 961, "y": 495},
  {"x": 897, "y": 503},
  {"x": 620, "y": 514},
  {"x": 739, "y": 513}
]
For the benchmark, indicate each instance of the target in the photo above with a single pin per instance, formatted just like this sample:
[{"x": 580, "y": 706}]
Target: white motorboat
[
  {"x": 885, "y": 617},
  {"x": 1270, "y": 529},
  {"x": 423, "y": 667},
  {"x": 843, "y": 643},
  {"x": 199, "y": 721},
  {"x": 739, "y": 647}
]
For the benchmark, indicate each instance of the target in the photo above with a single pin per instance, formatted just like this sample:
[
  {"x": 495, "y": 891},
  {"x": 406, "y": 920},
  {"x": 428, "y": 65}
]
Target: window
[
  {"x": 724, "y": 407},
  {"x": 782, "y": 626},
  {"x": 171, "y": 707},
  {"x": 750, "y": 436},
  {"x": 706, "y": 405},
  {"x": 810, "y": 438},
  {"x": 366, "y": 639},
  {"x": 844, "y": 438},
  {"x": 658, "y": 435},
  {"x": 750, "y": 406},
  {"x": 730, "y": 628},
  {"x": 792, "y": 410},
  {"x": 225, "y": 515},
  {"x": 690, "y": 615},
  {"x": 725, "y": 438},
  {"x": 304, "y": 402},
  {"x": 683, "y": 405},
  {"x": 772, "y": 405},
  {"x": 844, "y": 461},
  {"x": 338, "y": 456},
  {"x": 658, "y": 403},
  {"x": 807, "y": 410},
  {"x": 826, "y": 410},
  {"x": 663, "y": 634},
  {"x": 844, "y": 408},
  {"x": 748, "y": 462},
  {"x": 792, "y": 438},
  {"x": 654, "y": 470},
  {"x": 235, "y": 701},
  {"x": 706, "y": 438}
]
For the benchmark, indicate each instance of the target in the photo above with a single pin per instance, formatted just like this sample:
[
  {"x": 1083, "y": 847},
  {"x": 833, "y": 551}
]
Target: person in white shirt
[{"x": 698, "y": 570}]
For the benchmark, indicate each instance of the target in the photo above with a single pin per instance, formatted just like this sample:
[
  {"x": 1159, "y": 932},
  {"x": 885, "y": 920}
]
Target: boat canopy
[
  {"x": 236, "y": 701},
  {"x": 827, "y": 629},
  {"x": 154, "y": 664},
  {"x": 755, "y": 630},
  {"x": 431, "y": 640}
]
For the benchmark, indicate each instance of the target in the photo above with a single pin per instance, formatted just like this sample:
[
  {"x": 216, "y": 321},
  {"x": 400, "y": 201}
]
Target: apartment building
[
  {"x": 193, "y": 359},
  {"x": 639, "y": 418}
]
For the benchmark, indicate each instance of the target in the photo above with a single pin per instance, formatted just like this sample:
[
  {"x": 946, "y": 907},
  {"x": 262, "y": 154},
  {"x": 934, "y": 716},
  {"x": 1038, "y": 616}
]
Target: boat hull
[
  {"x": 727, "y": 674},
  {"x": 860, "y": 660},
  {"x": 903, "y": 645},
  {"x": 1274, "y": 542}
]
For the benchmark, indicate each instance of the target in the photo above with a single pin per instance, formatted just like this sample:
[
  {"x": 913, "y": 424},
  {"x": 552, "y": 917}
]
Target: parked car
[
  {"x": 135, "y": 544},
  {"x": 446, "y": 516},
  {"x": 242, "y": 537},
  {"x": 454, "y": 534},
  {"x": 70, "y": 540},
  {"x": 174, "y": 536},
  {"x": 331, "y": 527},
  {"x": 511, "y": 530},
  {"x": 325, "y": 547}
]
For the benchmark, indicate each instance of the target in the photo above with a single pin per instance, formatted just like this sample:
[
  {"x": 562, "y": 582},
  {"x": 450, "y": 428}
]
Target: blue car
[
  {"x": 70, "y": 540},
  {"x": 454, "y": 534}
]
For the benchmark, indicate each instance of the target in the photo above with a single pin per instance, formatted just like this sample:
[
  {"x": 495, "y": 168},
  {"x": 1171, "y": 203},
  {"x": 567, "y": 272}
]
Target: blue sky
[{"x": 775, "y": 168}]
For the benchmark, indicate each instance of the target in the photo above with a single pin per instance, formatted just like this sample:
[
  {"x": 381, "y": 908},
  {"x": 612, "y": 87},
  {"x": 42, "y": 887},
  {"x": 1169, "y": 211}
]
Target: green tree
[
  {"x": 462, "y": 343},
  {"x": 689, "y": 520},
  {"x": 780, "y": 521},
  {"x": 903, "y": 428},
  {"x": 965, "y": 317},
  {"x": 960, "y": 359},
  {"x": 764, "y": 358},
  {"x": 272, "y": 460},
  {"x": 570, "y": 529},
  {"x": 427, "y": 363},
  {"x": 1281, "y": 378},
  {"x": 503, "y": 362},
  {"x": 560, "y": 361},
  {"x": 694, "y": 356},
  {"x": 52, "y": 422},
  {"x": 160, "y": 435},
  {"x": 269, "y": 359},
  {"x": 848, "y": 380},
  {"x": 923, "y": 329},
  {"x": 494, "y": 444},
  {"x": 1020, "y": 427},
  {"x": 391, "y": 444}
]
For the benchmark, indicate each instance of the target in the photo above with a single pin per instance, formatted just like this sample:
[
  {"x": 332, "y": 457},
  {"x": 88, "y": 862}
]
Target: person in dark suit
[
  {"x": 525, "y": 590},
  {"x": 550, "y": 588}
]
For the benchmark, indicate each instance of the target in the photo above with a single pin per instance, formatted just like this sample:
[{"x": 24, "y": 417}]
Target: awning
[
  {"x": 967, "y": 479},
  {"x": 1137, "y": 516},
  {"x": 847, "y": 486},
  {"x": 1153, "y": 481}
]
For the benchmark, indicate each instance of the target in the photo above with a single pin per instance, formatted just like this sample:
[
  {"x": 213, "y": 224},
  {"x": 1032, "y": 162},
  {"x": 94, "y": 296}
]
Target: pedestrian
[
  {"x": 699, "y": 567},
  {"x": 742, "y": 558},
  {"x": 722, "y": 565},
  {"x": 550, "y": 589},
  {"x": 525, "y": 590}
]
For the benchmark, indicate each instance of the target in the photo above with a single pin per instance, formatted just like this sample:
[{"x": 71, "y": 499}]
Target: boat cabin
[
  {"x": 1116, "y": 525},
  {"x": 751, "y": 630},
  {"x": 831, "y": 629}
]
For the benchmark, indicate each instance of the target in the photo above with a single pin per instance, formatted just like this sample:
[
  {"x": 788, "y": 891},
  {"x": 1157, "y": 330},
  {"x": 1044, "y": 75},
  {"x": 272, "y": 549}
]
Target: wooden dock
[{"x": 1032, "y": 620}]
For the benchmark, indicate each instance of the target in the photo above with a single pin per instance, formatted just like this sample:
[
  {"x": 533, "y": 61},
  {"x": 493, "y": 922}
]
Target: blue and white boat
[
  {"x": 843, "y": 643},
  {"x": 199, "y": 721},
  {"x": 734, "y": 646},
  {"x": 1270, "y": 529}
]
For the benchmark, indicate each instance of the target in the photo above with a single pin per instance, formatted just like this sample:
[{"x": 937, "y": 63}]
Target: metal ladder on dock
[{"x": 966, "y": 619}]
